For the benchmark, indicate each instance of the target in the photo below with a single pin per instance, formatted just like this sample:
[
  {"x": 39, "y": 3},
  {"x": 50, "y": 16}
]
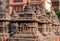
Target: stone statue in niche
[{"x": 12, "y": 29}]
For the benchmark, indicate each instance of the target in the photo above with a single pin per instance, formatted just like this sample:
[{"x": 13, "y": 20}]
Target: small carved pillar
[
  {"x": 44, "y": 27},
  {"x": 44, "y": 31},
  {"x": 43, "y": 9},
  {"x": 49, "y": 27}
]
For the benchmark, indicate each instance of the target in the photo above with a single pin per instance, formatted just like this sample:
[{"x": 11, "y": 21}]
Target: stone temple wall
[{"x": 28, "y": 25}]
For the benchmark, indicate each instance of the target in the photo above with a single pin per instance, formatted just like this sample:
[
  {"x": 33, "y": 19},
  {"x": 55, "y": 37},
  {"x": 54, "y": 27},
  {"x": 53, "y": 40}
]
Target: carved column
[{"x": 44, "y": 30}]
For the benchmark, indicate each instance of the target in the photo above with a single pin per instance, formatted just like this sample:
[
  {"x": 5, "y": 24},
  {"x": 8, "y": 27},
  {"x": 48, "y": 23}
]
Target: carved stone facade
[{"x": 28, "y": 25}]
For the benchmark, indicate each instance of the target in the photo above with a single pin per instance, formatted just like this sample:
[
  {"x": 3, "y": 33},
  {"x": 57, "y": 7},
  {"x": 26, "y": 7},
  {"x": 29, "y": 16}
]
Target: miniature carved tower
[{"x": 28, "y": 27}]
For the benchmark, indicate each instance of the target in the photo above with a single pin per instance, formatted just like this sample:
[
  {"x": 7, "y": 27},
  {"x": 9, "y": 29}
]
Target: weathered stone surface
[{"x": 28, "y": 25}]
